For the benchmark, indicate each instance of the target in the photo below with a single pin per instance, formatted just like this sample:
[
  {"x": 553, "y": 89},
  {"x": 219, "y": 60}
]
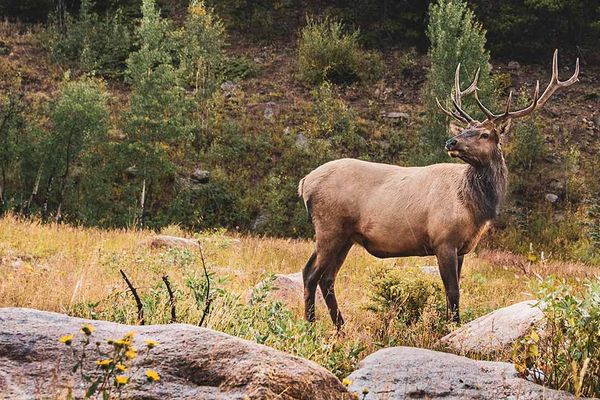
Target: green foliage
[
  {"x": 456, "y": 37},
  {"x": 326, "y": 52},
  {"x": 80, "y": 120},
  {"x": 563, "y": 351},
  {"x": 201, "y": 54},
  {"x": 158, "y": 123},
  {"x": 11, "y": 131},
  {"x": 88, "y": 42},
  {"x": 403, "y": 296}
]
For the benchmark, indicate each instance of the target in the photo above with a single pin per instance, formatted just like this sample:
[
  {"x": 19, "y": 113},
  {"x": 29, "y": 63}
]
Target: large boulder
[
  {"x": 193, "y": 363},
  {"x": 288, "y": 289},
  {"x": 495, "y": 331},
  {"x": 409, "y": 373}
]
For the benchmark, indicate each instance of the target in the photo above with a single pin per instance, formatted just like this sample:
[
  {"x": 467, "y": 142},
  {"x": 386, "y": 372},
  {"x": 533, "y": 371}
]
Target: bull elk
[{"x": 440, "y": 209}]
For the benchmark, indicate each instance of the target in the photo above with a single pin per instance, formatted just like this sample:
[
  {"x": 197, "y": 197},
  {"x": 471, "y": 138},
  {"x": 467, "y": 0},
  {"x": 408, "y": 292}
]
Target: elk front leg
[{"x": 448, "y": 264}]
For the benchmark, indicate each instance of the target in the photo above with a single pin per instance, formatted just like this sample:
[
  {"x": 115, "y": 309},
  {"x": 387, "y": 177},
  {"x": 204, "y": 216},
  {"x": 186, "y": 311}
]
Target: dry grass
[{"x": 55, "y": 267}]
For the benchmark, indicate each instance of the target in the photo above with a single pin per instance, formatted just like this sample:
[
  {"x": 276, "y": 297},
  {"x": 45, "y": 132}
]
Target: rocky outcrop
[
  {"x": 288, "y": 289},
  {"x": 193, "y": 363},
  {"x": 408, "y": 373},
  {"x": 495, "y": 331}
]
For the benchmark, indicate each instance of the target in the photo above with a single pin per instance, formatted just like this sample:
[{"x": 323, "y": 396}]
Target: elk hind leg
[{"x": 327, "y": 284}]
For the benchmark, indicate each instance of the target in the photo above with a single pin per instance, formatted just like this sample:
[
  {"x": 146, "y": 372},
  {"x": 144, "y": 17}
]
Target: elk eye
[{"x": 484, "y": 135}]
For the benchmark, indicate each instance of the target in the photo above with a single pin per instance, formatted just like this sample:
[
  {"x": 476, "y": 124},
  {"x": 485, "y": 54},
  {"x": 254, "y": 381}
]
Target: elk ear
[{"x": 455, "y": 129}]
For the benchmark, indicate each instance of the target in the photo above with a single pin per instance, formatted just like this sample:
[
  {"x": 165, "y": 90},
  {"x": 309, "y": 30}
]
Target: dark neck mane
[{"x": 484, "y": 187}]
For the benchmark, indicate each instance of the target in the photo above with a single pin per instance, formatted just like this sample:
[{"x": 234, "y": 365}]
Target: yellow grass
[{"x": 54, "y": 267}]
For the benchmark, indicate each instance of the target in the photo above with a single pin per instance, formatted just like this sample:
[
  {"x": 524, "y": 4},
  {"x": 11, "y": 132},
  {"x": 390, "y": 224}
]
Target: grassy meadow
[{"x": 74, "y": 270}]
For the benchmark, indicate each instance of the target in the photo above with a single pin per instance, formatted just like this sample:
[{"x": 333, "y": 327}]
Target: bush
[
  {"x": 327, "y": 53},
  {"x": 563, "y": 351},
  {"x": 456, "y": 37},
  {"x": 201, "y": 54},
  {"x": 80, "y": 120},
  {"x": 89, "y": 42},
  {"x": 404, "y": 294}
]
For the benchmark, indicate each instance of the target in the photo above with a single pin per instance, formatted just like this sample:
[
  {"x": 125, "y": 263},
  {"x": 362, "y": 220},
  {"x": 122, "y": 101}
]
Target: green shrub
[
  {"x": 89, "y": 42},
  {"x": 403, "y": 294},
  {"x": 563, "y": 350},
  {"x": 201, "y": 53},
  {"x": 332, "y": 119},
  {"x": 456, "y": 37},
  {"x": 80, "y": 120},
  {"x": 326, "y": 52}
]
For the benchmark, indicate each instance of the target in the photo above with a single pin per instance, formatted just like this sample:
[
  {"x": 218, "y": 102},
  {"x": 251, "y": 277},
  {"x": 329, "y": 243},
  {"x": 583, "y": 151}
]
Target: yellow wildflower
[
  {"x": 152, "y": 375},
  {"x": 365, "y": 391},
  {"x": 121, "y": 380},
  {"x": 346, "y": 382},
  {"x": 67, "y": 339},
  {"x": 151, "y": 343},
  {"x": 121, "y": 367},
  {"x": 87, "y": 329},
  {"x": 131, "y": 354},
  {"x": 104, "y": 363}
]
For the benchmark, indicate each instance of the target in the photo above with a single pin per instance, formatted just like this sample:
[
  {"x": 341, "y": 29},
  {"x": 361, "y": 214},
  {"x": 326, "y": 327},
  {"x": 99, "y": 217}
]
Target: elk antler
[
  {"x": 538, "y": 101},
  {"x": 456, "y": 96}
]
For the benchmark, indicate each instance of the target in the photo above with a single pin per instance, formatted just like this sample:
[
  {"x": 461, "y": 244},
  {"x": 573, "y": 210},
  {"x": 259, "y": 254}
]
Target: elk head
[{"x": 479, "y": 143}]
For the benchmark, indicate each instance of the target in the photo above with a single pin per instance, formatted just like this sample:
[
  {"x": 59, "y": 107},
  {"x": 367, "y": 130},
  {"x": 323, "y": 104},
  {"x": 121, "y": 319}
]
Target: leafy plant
[
  {"x": 326, "y": 52},
  {"x": 563, "y": 350}
]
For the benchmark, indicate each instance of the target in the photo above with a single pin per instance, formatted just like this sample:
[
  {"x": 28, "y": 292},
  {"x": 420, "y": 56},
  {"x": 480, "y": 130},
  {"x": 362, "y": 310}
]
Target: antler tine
[
  {"x": 462, "y": 112},
  {"x": 449, "y": 113},
  {"x": 458, "y": 93},
  {"x": 508, "y": 103},
  {"x": 555, "y": 83},
  {"x": 489, "y": 115},
  {"x": 531, "y": 107}
]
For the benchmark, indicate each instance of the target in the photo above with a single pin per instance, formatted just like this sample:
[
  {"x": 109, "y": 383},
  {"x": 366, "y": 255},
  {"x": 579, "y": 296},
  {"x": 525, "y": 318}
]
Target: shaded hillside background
[{"x": 204, "y": 116}]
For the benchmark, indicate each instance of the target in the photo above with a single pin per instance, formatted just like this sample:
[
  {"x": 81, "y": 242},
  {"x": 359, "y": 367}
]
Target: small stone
[
  {"x": 395, "y": 115},
  {"x": 229, "y": 88},
  {"x": 200, "y": 176},
  {"x": 132, "y": 171},
  {"x": 514, "y": 66},
  {"x": 271, "y": 110},
  {"x": 551, "y": 197},
  {"x": 596, "y": 120},
  {"x": 301, "y": 140},
  {"x": 429, "y": 269}
]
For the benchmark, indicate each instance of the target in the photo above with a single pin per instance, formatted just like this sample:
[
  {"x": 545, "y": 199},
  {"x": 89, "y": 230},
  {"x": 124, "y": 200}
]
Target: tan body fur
[{"x": 392, "y": 211}]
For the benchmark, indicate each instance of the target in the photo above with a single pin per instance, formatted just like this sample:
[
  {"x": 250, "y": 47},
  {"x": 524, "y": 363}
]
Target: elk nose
[{"x": 451, "y": 143}]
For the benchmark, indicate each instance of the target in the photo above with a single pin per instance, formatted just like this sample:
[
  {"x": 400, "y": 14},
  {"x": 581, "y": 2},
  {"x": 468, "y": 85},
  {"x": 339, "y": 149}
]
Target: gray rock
[
  {"x": 200, "y": 176},
  {"x": 271, "y": 110},
  {"x": 301, "y": 140},
  {"x": 596, "y": 120},
  {"x": 430, "y": 270},
  {"x": 131, "y": 171},
  {"x": 288, "y": 289},
  {"x": 551, "y": 197},
  {"x": 193, "y": 363},
  {"x": 261, "y": 221},
  {"x": 514, "y": 65},
  {"x": 229, "y": 88},
  {"x": 395, "y": 115},
  {"x": 408, "y": 373},
  {"x": 495, "y": 331}
]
